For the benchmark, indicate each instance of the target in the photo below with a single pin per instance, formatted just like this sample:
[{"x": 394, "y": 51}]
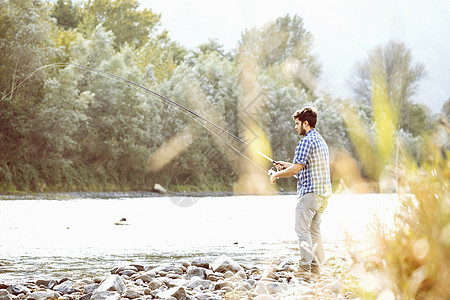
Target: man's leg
[
  {"x": 305, "y": 212},
  {"x": 316, "y": 238}
]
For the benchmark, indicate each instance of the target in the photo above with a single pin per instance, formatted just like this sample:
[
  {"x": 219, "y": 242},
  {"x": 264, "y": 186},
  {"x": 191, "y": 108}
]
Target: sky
[{"x": 344, "y": 32}]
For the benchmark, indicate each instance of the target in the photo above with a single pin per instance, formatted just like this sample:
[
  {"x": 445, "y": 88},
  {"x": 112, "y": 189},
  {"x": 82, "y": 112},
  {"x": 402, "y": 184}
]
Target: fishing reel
[{"x": 271, "y": 171}]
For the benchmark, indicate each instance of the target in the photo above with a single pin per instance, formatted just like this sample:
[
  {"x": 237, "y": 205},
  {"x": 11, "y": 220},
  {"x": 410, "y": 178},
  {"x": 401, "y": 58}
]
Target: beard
[{"x": 302, "y": 131}]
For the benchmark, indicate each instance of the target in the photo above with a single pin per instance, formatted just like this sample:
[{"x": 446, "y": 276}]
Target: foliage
[
  {"x": 66, "y": 15},
  {"x": 394, "y": 62},
  {"x": 68, "y": 129},
  {"x": 130, "y": 26}
]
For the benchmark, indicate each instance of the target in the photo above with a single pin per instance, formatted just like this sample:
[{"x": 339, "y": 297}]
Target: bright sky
[{"x": 343, "y": 30}]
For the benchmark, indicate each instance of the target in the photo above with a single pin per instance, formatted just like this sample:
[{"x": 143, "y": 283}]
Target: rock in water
[
  {"x": 105, "y": 295},
  {"x": 176, "y": 292},
  {"x": 200, "y": 262},
  {"x": 43, "y": 295},
  {"x": 159, "y": 189},
  {"x": 112, "y": 283},
  {"x": 4, "y": 295},
  {"x": 65, "y": 288},
  {"x": 224, "y": 264}
]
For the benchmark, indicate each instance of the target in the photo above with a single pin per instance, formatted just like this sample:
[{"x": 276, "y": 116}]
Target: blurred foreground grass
[{"x": 410, "y": 258}]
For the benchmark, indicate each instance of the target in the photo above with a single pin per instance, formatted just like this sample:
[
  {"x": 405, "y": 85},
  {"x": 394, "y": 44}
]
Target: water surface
[{"x": 79, "y": 237}]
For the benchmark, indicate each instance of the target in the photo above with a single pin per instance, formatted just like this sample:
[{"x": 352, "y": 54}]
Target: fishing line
[{"x": 160, "y": 97}]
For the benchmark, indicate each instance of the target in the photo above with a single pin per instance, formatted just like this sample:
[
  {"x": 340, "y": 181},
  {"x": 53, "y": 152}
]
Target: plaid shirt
[{"x": 312, "y": 153}]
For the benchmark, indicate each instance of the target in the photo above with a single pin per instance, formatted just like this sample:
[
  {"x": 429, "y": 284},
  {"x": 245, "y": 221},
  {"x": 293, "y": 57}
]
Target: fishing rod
[{"x": 149, "y": 91}]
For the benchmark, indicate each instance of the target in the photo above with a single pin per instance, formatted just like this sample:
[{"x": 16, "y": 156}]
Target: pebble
[{"x": 223, "y": 278}]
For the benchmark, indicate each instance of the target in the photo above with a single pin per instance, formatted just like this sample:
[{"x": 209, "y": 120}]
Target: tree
[
  {"x": 445, "y": 110},
  {"x": 129, "y": 25},
  {"x": 66, "y": 14},
  {"x": 401, "y": 74}
]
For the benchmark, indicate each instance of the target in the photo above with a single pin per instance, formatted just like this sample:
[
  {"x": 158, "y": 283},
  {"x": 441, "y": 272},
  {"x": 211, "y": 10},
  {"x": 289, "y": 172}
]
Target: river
[{"x": 79, "y": 237}]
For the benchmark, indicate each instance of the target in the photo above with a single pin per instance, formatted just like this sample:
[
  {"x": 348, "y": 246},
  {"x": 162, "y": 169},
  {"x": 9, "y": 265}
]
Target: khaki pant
[{"x": 308, "y": 215}]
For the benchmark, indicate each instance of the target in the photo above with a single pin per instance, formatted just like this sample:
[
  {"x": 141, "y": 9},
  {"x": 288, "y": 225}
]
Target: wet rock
[
  {"x": 90, "y": 288},
  {"x": 43, "y": 295},
  {"x": 4, "y": 295},
  {"x": 224, "y": 264},
  {"x": 196, "y": 271},
  {"x": 112, "y": 283},
  {"x": 147, "y": 277},
  {"x": 200, "y": 262},
  {"x": 125, "y": 270},
  {"x": 105, "y": 295},
  {"x": 86, "y": 296},
  {"x": 17, "y": 289},
  {"x": 178, "y": 293},
  {"x": 269, "y": 276},
  {"x": 65, "y": 287},
  {"x": 131, "y": 293},
  {"x": 204, "y": 284},
  {"x": 223, "y": 284},
  {"x": 155, "y": 284},
  {"x": 48, "y": 283}
]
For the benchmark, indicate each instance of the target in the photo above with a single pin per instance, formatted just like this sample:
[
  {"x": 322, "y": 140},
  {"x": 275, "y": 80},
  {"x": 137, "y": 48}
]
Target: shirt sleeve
[{"x": 302, "y": 152}]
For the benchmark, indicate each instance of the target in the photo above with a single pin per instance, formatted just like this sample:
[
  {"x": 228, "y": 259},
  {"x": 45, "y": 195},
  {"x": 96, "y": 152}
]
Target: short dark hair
[{"x": 306, "y": 114}]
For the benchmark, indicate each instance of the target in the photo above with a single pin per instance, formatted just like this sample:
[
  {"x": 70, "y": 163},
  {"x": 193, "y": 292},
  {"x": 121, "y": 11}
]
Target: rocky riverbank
[{"x": 200, "y": 279}]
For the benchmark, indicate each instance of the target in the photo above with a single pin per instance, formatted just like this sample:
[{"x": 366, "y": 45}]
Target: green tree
[
  {"x": 445, "y": 110},
  {"x": 402, "y": 75},
  {"x": 66, "y": 15},
  {"x": 129, "y": 24},
  {"x": 25, "y": 45}
]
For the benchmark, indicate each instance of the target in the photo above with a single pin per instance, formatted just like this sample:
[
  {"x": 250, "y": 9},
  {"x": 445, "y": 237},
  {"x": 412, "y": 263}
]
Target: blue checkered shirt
[{"x": 312, "y": 153}]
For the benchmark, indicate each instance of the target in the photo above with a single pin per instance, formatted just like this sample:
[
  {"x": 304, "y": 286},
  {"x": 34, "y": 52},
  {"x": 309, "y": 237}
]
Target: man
[{"x": 311, "y": 163}]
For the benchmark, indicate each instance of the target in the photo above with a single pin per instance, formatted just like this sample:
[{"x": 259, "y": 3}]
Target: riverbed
[{"x": 77, "y": 236}]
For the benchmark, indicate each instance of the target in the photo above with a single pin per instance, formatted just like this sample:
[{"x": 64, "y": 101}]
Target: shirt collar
[{"x": 310, "y": 132}]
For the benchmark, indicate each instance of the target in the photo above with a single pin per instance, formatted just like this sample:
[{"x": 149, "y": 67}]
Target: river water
[{"x": 79, "y": 237}]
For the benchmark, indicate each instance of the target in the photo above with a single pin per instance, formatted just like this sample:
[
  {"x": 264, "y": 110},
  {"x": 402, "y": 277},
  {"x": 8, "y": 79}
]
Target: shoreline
[
  {"x": 120, "y": 194},
  {"x": 199, "y": 278}
]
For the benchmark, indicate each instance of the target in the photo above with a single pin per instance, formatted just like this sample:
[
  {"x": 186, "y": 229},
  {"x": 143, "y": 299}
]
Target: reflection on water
[{"x": 78, "y": 237}]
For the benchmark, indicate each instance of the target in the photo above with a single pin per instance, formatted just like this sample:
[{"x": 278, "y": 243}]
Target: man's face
[{"x": 299, "y": 127}]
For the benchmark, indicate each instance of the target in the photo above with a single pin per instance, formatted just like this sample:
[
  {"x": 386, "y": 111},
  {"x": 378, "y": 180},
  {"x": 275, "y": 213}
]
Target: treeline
[{"x": 69, "y": 129}]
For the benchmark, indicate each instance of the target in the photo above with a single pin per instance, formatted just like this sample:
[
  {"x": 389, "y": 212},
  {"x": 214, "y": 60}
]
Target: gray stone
[
  {"x": 228, "y": 274},
  {"x": 176, "y": 292},
  {"x": 131, "y": 293},
  {"x": 222, "y": 284},
  {"x": 86, "y": 296},
  {"x": 155, "y": 284},
  {"x": 147, "y": 277},
  {"x": 200, "y": 262},
  {"x": 43, "y": 295},
  {"x": 196, "y": 271},
  {"x": 269, "y": 276},
  {"x": 48, "y": 283},
  {"x": 207, "y": 296},
  {"x": 65, "y": 287},
  {"x": 199, "y": 283},
  {"x": 105, "y": 295},
  {"x": 17, "y": 289},
  {"x": 224, "y": 264},
  {"x": 125, "y": 270},
  {"x": 178, "y": 271},
  {"x": 112, "y": 283},
  {"x": 90, "y": 288},
  {"x": 4, "y": 295}
]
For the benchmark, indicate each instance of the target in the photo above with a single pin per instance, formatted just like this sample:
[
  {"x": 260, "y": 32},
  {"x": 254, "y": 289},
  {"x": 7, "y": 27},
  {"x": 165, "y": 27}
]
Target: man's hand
[
  {"x": 273, "y": 178},
  {"x": 280, "y": 165}
]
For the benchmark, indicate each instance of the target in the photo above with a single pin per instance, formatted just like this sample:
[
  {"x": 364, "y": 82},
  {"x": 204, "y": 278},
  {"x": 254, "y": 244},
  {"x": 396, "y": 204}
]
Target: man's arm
[
  {"x": 280, "y": 165},
  {"x": 291, "y": 170}
]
